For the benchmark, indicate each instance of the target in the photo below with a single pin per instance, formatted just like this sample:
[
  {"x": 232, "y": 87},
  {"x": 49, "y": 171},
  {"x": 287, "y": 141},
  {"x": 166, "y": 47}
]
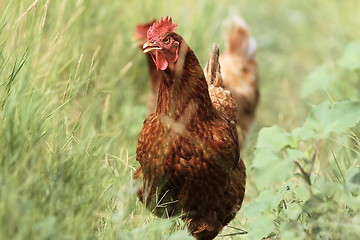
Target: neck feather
[{"x": 184, "y": 93}]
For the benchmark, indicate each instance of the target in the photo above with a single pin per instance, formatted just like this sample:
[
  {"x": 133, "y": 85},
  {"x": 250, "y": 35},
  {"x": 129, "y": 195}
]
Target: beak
[{"x": 148, "y": 47}]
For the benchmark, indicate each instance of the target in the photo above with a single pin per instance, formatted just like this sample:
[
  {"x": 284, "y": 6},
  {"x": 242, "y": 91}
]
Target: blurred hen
[{"x": 239, "y": 72}]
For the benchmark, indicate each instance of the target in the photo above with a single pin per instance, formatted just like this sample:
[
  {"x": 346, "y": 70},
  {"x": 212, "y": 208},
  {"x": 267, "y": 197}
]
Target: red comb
[{"x": 162, "y": 26}]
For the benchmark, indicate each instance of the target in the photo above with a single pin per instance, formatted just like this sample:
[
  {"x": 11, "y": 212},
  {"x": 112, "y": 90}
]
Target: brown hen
[
  {"x": 239, "y": 72},
  {"x": 188, "y": 151}
]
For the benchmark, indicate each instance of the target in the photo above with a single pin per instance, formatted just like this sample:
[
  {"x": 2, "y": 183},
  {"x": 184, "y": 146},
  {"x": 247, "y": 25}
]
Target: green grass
[{"x": 73, "y": 96}]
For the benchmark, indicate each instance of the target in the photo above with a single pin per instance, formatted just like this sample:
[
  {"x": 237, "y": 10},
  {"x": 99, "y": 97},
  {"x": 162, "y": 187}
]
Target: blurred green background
[{"x": 73, "y": 93}]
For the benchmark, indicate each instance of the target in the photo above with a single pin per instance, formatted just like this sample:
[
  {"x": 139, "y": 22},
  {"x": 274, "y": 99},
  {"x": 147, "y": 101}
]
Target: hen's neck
[{"x": 185, "y": 94}]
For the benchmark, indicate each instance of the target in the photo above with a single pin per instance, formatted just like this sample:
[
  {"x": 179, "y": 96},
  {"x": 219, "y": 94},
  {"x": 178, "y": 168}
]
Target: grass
[{"x": 73, "y": 93}]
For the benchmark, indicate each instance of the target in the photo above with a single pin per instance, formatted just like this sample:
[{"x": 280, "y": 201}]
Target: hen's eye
[{"x": 166, "y": 40}]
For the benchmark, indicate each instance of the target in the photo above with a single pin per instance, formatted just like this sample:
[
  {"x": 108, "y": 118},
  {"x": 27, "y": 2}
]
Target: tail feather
[
  {"x": 251, "y": 48},
  {"x": 212, "y": 68},
  {"x": 239, "y": 40}
]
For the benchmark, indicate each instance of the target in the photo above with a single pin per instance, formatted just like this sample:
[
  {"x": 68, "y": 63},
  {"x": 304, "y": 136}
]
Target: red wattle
[{"x": 160, "y": 61}]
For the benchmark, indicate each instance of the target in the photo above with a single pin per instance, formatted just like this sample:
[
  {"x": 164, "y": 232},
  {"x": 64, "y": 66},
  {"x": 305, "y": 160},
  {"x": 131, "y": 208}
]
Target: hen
[
  {"x": 239, "y": 72},
  {"x": 188, "y": 151},
  {"x": 155, "y": 76}
]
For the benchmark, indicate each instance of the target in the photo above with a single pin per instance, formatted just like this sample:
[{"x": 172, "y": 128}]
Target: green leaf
[
  {"x": 291, "y": 230},
  {"x": 274, "y": 138},
  {"x": 302, "y": 192},
  {"x": 294, "y": 154},
  {"x": 261, "y": 212},
  {"x": 352, "y": 201},
  {"x": 328, "y": 118},
  {"x": 269, "y": 167},
  {"x": 263, "y": 204},
  {"x": 273, "y": 172},
  {"x": 261, "y": 227},
  {"x": 320, "y": 78},
  {"x": 265, "y": 158},
  {"x": 180, "y": 235},
  {"x": 293, "y": 210},
  {"x": 351, "y": 57}
]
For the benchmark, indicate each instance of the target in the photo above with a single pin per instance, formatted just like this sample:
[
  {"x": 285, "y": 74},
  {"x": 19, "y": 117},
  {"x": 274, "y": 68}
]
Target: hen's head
[{"x": 163, "y": 43}]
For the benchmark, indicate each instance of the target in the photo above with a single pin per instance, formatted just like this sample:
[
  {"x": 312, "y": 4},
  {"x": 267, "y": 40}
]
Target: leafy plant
[{"x": 321, "y": 198}]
